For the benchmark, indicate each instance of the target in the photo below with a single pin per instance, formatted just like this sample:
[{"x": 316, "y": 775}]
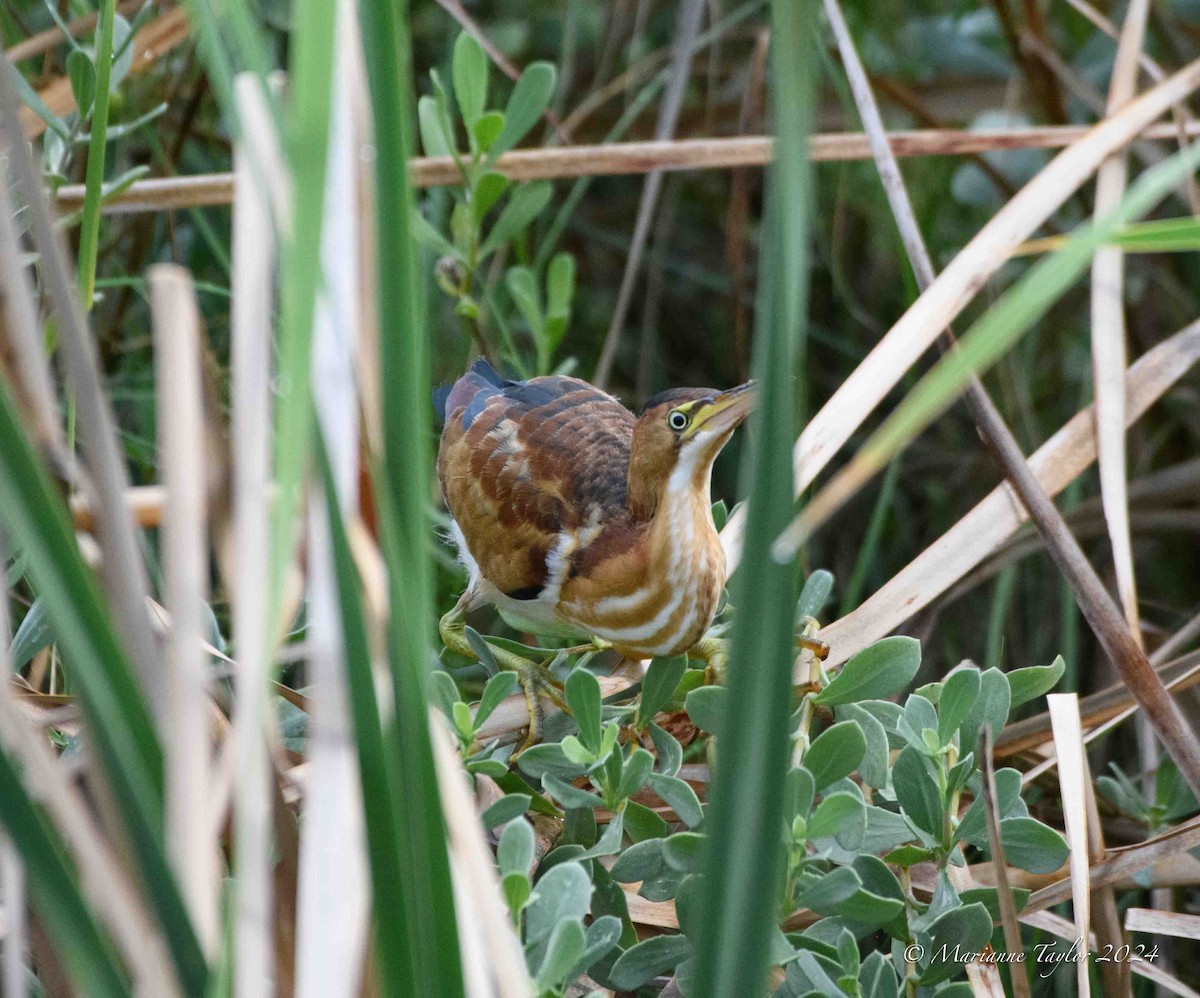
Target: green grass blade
[
  {"x": 422, "y": 897},
  {"x": 311, "y": 72},
  {"x": 375, "y": 753},
  {"x": 744, "y": 846},
  {"x": 119, "y": 726},
  {"x": 89, "y": 228},
  {"x": 90, "y": 960}
]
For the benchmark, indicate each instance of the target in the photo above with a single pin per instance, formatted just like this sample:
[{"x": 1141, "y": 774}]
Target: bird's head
[{"x": 678, "y": 435}]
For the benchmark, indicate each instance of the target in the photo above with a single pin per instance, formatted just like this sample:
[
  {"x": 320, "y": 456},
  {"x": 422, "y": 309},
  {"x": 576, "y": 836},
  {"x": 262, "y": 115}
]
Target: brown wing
[{"x": 520, "y": 462}]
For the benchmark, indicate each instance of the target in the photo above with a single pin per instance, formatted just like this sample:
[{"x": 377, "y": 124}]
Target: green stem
[{"x": 89, "y": 229}]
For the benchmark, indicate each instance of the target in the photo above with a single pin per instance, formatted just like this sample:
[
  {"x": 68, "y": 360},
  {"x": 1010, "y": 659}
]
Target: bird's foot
[
  {"x": 714, "y": 653},
  {"x": 535, "y": 678},
  {"x": 806, "y": 637}
]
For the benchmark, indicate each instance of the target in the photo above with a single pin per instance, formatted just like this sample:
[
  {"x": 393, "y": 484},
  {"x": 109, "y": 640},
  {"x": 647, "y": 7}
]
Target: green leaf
[
  {"x": 641, "y": 823},
  {"x": 909, "y": 856},
  {"x": 876, "y": 978},
  {"x": 670, "y": 752},
  {"x": 122, "y": 49},
  {"x": 1032, "y": 846},
  {"x": 569, "y": 796},
  {"x": 878, "y": 671},
  {"x": 815, "y": 593},
  {"x": 609, "y": 844},
  {"x": 523, "y": 207},
  {"x": 637, "y": 770},
  {"x": 989, "y": 897},
  {"x": 35, "y": 633},
  {"x": 602, "y": 935},
  {"x": 82, "y": 75},
  {"x": 1030, "y": 683},
  {"x": 682, "y": 851},
  {"x": 705, "y": 706},
  {"x": 30, "y": 98},
  {"x": 488, "y": 190},
  {"x": 658, "y": 684},
  {"x": 835, "y": 753},
  {"x": 514, "y": 853},
  {"x": 873, "y": 767},
  {"x": 840, "y": 815},
  {"x": 505, "y": 809},
  {"x": 560, "y": 289},
  {"x": 679, "y": 796},
  {"x": 868, "y": 908},
  {"x": 517, "y": 891},
  {"x": 434, "y": 140},
  {"x": 501, "y": 685},
  {"x": 824, "y": 894},
  {"x": 959, "y": 693},
  {"x": 469, "y": 72},
  {"x": 917, "y": 791},
  {"x": 649, "y": 958},
  {"x": 522, "y": 285},
  {"x": 565, "y": 947},
  {"x": 562, "y": 893},
  {"x": 487, "y": 129},
  {"x": 443, "y": 692},
  {"x": 641, "y": 861},
  {"x": 429, "y": 237},
  {"x": 991, "y": 708},
  {"x": 967, "y": 929},
  {"x": 583, "y": 697},
  {"x": 530, "y": 97}
]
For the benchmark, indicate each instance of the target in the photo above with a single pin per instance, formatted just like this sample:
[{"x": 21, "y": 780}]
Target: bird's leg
[
  {"x": 806, "y": 637},
  {"x": 535, "y": 678},
  {"x": 714, "y": 653}
]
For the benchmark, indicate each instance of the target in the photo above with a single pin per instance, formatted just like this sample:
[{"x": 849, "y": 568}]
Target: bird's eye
[{"x": 678, "y": 420}]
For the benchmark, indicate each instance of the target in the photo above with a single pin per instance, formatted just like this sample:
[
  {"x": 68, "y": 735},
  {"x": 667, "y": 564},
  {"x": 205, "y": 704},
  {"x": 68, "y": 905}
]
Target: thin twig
[{"x": 623, "y": 158}]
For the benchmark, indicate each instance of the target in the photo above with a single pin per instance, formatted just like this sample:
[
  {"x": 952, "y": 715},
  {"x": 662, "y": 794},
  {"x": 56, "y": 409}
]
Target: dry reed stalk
[
  {"x": 494, "y": 944},
  {"x": 14, "y": 926},
  {"x": 1008, "y": 912},
  {"x": 1068, "y": 745},
  {"x": 103, "y": 877},
  {"x": 1108, "y": 327},
  {"x": 958, "y": 284},
  {"x": 623, "y": 158},
  {"x": 181, "y": 457},
  {"x": 23, "y": 344},
  {"x": 1112, "y": 704},
  {"x": 1058, "y": 926},
  {"x": 1121, "y": 864},
  {"x": 1165, "y": 923},
  {"x": 251, "y": 322},
  {"x": 982, "y": 531},
  {"x": 334, "y": 888},
  {"x": 124, "y": 575}
]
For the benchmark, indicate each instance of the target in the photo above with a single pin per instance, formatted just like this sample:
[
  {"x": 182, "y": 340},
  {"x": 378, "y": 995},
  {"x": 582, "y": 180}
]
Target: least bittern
[{"x": 574, "y": 517}]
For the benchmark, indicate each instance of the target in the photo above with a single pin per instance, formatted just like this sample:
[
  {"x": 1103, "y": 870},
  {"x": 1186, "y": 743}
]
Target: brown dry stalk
[
  {"x": 1121, "y": 863},
  {"x": 618, "y": 158}
]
